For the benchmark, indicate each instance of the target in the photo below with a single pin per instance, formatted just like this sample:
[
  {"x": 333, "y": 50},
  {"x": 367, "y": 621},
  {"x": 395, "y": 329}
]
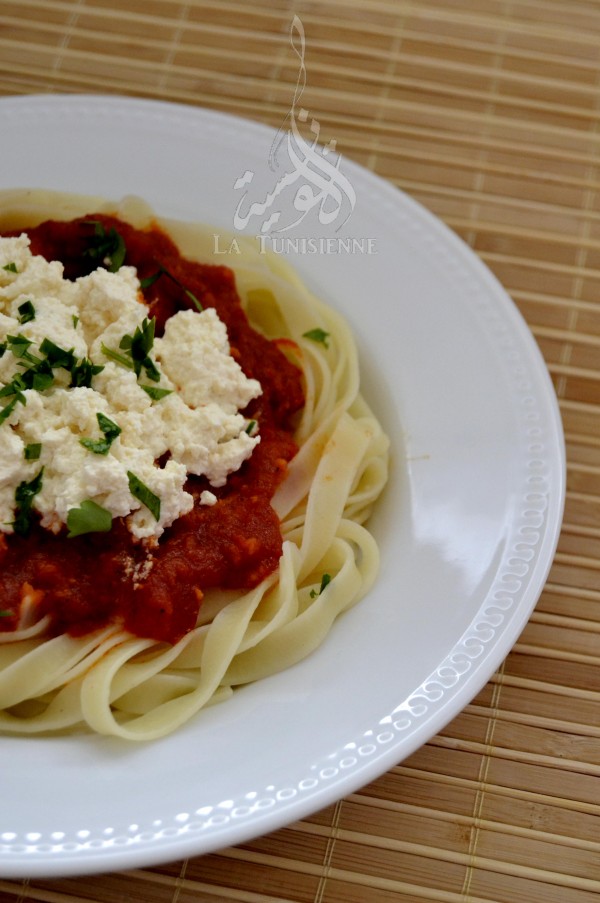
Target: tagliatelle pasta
[{"x": 137, "y": 688}]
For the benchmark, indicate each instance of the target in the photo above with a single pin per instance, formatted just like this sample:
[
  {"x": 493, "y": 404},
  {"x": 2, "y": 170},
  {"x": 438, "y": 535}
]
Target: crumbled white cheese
[
  {"x": 195, "y": 429},
  {"x": 194, "y": 354},
  {"x": 34, "y": 275}
]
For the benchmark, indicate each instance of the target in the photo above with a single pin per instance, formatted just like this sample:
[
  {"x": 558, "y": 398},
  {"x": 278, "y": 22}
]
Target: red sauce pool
[{"x": 88, "y": 581}]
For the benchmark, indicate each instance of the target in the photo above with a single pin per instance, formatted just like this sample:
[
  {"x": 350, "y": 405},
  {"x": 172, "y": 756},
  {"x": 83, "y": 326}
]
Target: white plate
[{"x": 467, "y": 529}]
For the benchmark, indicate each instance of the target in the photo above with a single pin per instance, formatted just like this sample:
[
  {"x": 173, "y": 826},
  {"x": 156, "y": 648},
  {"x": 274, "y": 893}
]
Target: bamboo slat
[{"x": 488, "y": 112}]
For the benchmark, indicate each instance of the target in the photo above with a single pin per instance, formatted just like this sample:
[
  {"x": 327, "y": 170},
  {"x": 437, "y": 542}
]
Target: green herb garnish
[
  {"x": 39, "y": 372},
  {"x": 14, "y": 387},
  {"x": 19, "y": 345},
  {"x": 32, "y": 451},
  {"x": 139, "y": 345},
  {"x": 317, "y": 335},
  {"x": 110, "y": 430},
  {"x": 6, "y": 411},
  {"x": 82, "y": 373},
  {"x": 5, "y": 613},
  {"x": 163, "y": 271},
  {"x": 41, "y": 379},
  {"x": 57, "y": 356},
  {"x": 88, "y": 518},
  {"x": 325, "y": 580},
  {"x": 150, "y": 280},
  {"x": 251, "y": 428},
  {"x": 26, "y": 312},
  {"x": 155, "y": 392},
  {"x": 143, "y": 494},
  {"x": 113, "y": 355},
  {"x": 38, "y": 376},
  {"x": 75, "y": 320},
  {"x": 24, "y": 496},
  {"x": 137, "y": 348},
  {"x": 106, "y": 247},
  {"x": 10, "y": 267}
]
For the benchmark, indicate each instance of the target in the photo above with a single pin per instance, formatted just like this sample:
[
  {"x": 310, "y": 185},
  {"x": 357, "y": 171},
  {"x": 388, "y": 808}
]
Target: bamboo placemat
[{"x": 488, "y": 112}]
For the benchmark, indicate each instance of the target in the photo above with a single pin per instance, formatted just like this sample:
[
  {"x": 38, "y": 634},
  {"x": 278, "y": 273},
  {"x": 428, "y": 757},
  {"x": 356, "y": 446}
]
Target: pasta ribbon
[{"x": 137, "y": 689}]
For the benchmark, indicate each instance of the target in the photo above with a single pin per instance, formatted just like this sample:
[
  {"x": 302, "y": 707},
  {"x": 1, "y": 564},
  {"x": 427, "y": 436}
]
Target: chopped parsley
[
  {"x": 38, "y": 372},
  {"x": 150, "y": 280},
  {"x": 10, "y": 267},
  {"x": 39, "y": 378},
  {"x": 20, "y": 345},
  {"x": 88, "y": 518},
  {"x": 110, "y": 431},
  {"x": 106, "y": 248},
  {"x": 32, "y": 451},
  {"x": 136, "y": 348},
  {"x": 14, "y": 387},
  {"x": 139, "y": 345},
  {"x": 113, "y": 355},
  {"x": 82, "y": 373},
  {"x": 143, "y": 494},
  {"x": 24, "y": 496},
  {"x": 57, "y": 356},
  {"x": 325, "y": 581},
  {"x": 6, "y": 411},
  {"x": 155, "y": 392},
  {"x": 317, "y": 335},
  {"x": 163, "y": 271},
  {"x": 26, "y": 312}
]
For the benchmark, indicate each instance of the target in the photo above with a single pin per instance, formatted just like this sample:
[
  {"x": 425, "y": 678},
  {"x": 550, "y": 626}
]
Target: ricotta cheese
[{"x": 65, "y": 376}]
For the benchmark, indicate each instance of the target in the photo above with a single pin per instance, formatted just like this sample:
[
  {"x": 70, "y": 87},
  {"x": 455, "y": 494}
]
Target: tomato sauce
[{"x": 88, "y": 581}]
